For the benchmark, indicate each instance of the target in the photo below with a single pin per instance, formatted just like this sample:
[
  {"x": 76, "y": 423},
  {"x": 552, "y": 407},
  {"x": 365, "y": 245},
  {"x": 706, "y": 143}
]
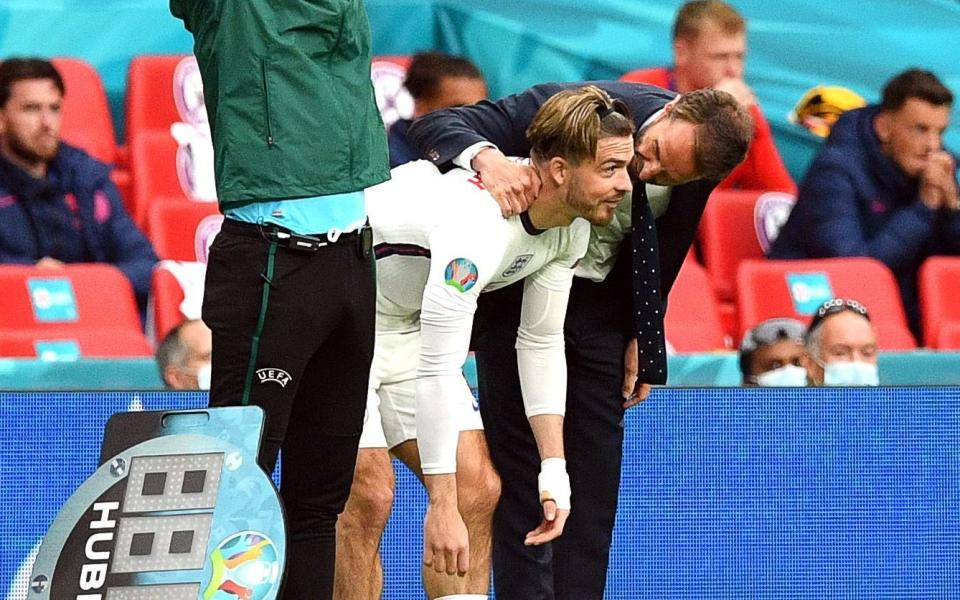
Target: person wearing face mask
[
  {"x": 772, "y": 354},
  {"x": 183, "y": 357},
  {"x": 841, "y": 345}
]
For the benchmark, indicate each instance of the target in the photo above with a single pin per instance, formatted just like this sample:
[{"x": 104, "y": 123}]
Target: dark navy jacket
[
  {"x": 855, "y": 201},
  {"x": 401, "y": 152},
  {"x": 74, "y": 214}
]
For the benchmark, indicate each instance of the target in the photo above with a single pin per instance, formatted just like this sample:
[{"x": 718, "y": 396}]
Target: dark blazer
[{"x": 441, "y": 135}]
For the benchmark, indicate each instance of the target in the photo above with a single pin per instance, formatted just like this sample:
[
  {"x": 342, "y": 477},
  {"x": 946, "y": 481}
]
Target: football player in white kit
[{"x": 440, "y": 241}]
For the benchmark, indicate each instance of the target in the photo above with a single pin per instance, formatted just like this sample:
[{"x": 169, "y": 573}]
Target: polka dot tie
[{"x": 647, "y": 303}]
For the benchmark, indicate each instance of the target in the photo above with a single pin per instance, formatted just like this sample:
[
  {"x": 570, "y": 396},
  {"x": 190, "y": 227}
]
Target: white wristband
[{"x": 554, "y": 483}]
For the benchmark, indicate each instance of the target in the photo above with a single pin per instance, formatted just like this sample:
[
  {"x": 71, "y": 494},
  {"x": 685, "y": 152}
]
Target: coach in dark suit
[{"x": 614, "y": 326}]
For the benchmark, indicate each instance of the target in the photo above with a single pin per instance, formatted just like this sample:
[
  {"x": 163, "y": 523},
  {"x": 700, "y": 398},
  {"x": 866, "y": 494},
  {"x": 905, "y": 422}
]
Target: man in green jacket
[{"x": 290, "y": 287}]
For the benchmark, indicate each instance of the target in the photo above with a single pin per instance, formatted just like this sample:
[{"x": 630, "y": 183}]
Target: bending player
[{"x": 440, "y": 242}]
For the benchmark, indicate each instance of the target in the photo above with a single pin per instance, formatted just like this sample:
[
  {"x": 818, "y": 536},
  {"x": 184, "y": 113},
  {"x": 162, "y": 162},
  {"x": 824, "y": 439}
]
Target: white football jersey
[{"x": 440, "y": 241}]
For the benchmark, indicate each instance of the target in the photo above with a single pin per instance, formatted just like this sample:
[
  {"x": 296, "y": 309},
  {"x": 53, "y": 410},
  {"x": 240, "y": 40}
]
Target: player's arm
[
  {"x": 461, "y": 264},
  {"x": 543, "y": 380}
]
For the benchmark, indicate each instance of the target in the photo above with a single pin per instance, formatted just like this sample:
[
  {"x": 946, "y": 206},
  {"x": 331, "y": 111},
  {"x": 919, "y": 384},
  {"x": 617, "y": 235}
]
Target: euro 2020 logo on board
[{"x": 245, "y": 565}]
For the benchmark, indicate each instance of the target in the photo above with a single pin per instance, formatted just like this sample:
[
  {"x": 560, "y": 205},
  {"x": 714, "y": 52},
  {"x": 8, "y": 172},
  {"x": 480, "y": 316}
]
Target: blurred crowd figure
[
  {"x": 838, "y": 347},
  {"x": 710, "y": 50},
  {"x": 184, "y": 355},
  {"x": 57, "y": 203},
  {"x": 435, "y": 80},
  {"x": 882, "y": 186},
  {"x": 772, "y": 354}
]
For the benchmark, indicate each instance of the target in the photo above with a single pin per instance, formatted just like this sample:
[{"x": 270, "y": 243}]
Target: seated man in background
[
  {"x": 709, "y": 51},
  {"x": 435, "y": 80},
  {"x": 183, "y": 357},
  {"x": 772, "y": 354},
  {"x": 57, "y": 204},
  {"x": 882, "y": 186},
  {"x": 841, "y": 345}
]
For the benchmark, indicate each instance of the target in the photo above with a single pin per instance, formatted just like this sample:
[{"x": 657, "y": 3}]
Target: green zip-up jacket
[{"x": 288, "y": 94}]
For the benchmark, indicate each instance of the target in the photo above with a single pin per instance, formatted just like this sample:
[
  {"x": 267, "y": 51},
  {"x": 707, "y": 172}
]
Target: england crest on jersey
[{"x": 517, "y": 265}]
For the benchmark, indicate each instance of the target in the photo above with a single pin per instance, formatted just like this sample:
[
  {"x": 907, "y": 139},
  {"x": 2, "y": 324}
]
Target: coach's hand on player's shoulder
[
  {"x": 512, "y": 185},
  {"x": 554, "y": 520},
  {"x": 446, "y": 546}
]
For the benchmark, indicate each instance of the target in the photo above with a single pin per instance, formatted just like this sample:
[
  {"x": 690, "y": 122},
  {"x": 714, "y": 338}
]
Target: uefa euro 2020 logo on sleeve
[{"x": 461, "y": 273}]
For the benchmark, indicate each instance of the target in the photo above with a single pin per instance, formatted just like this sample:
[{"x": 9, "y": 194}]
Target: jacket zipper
[{"x": 266, "y": 100}]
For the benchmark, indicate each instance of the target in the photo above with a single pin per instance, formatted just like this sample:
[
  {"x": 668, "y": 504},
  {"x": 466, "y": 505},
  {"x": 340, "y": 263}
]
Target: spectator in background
[
  {"x": 841, "y": 345},
  {"x": 709, "y": 50},
  {"x": 183, "y": 356},
  {"x": 435, "y": 80},
  {"x": 772, "y": 354},
  {"x": 57, "y": 204},
  {"x": 882, "y": 186}
]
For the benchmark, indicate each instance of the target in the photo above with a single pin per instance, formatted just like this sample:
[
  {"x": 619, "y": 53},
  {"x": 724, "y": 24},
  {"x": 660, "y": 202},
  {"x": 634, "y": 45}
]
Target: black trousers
[
  {"x": 293, "y": 333},
  {"x": 575, "y": 566}
]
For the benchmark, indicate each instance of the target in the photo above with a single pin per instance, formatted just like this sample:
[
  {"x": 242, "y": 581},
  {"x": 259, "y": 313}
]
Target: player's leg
[
  {"x": 478, "y": 488},
  {"x": 360, "y": 527},
  {"x": 520, "y": 572}
]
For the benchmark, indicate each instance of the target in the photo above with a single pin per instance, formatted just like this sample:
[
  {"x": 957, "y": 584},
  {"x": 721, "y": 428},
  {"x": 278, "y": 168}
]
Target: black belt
[{"x": 362, "y": 238}]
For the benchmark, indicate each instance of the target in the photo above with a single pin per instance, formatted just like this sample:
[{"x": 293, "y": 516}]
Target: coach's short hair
[
  {"x": 694, "y": 15},
  {"x": 571, "y": 122},
  {"x": 723, "y": 133}
]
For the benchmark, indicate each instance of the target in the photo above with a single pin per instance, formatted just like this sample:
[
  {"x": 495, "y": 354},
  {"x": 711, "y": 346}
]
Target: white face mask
[
  {"x": 785, "y": 376},
  {"x": 203, "y": 377},
  {"x": 854, "y": 372}
]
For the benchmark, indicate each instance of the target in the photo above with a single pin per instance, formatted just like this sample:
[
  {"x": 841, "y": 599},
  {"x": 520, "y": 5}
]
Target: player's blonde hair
[{"x": 571, "y": 122}]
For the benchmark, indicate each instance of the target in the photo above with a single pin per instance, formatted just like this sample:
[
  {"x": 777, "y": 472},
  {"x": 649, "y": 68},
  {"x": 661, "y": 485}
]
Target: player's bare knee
[
  {"x": 479, "y": 489},
  {"x": 371, "y": 497}
]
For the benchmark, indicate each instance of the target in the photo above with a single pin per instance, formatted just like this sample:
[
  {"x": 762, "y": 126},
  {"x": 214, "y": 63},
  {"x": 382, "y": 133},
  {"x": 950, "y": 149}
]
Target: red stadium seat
[
  {"x": 183, "y": 230},
  {"x": 150, "y": 105},
  {"x": 949, "y": 336},
  {"x": 157, "y": 180},
  {"x": 87, "y": 343},
  {"x": 166, "y": 295},
  {"x": 939, "y": 288},
  {"x": 86, "y": 113},
  {"x": 692, "y": 321},
  {"x": 764, "y": 291},
  {"x": 78, "y": 296},
  {"x": 737, "y": 225}
]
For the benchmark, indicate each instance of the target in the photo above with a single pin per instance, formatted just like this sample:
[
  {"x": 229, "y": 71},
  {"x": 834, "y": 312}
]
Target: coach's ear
[{"x": 558, "y": 169}]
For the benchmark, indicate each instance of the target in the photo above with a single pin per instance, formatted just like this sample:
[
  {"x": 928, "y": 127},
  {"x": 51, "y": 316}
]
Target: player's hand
[
  {"x": 738, "y": 89},
  {"x": 554, "y": 486},
  {"x": 512, "y": 185},
  {"x": 446, "y": 546},
  {"x": 554, "y": 520}
]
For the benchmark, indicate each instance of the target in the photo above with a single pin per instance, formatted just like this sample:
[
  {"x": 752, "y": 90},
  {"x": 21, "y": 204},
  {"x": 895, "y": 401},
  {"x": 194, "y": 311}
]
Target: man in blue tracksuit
[
  {"x": 882, "y": 186},
  {"x": 57, "y": 204}
]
